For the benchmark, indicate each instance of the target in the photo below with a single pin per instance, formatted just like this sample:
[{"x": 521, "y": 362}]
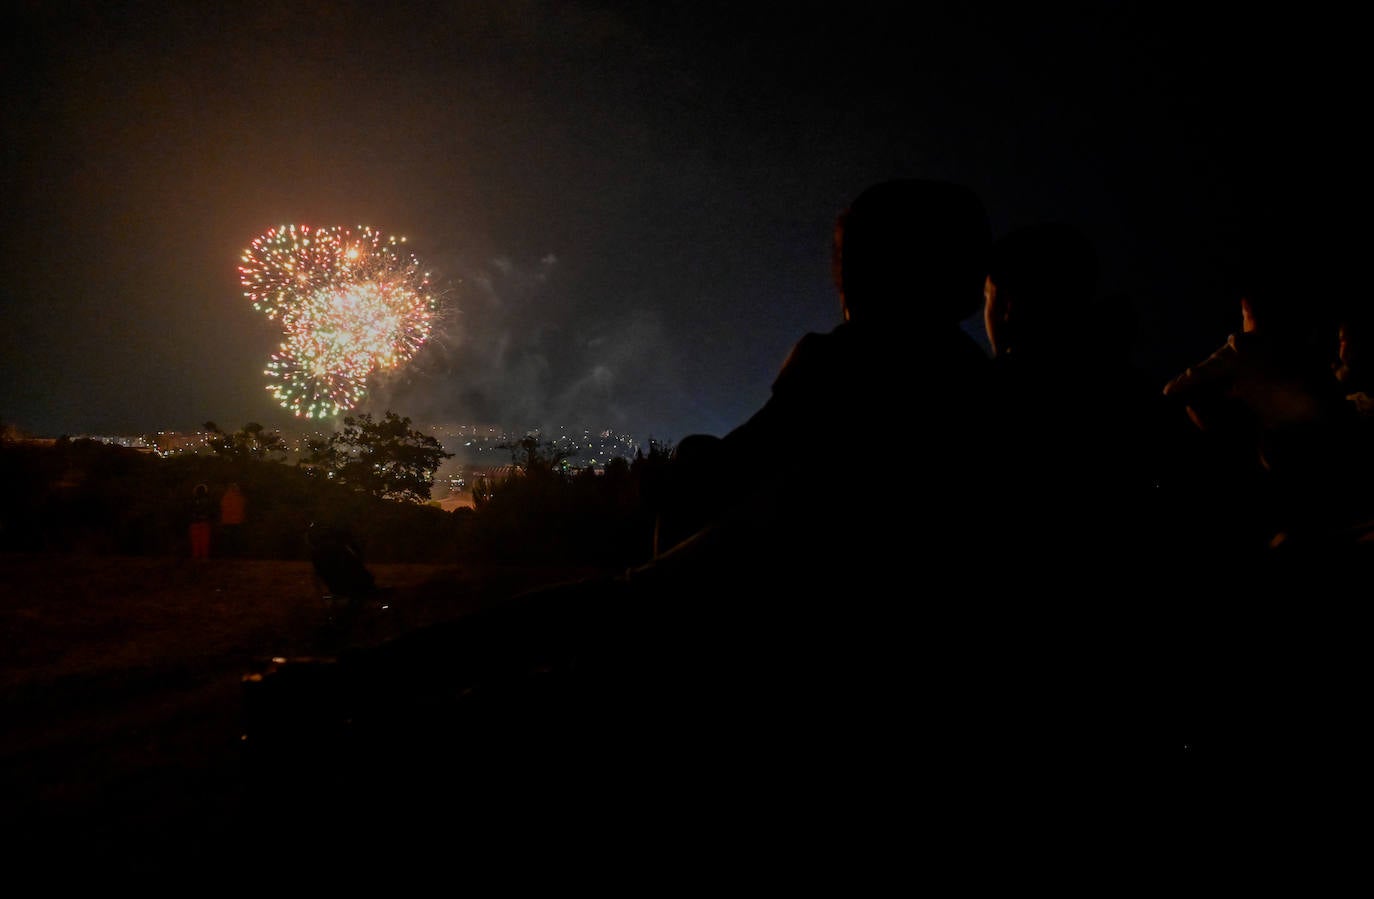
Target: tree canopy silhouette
[
  {"x": 385, "y": 458},
  {"x": 252, "y": 441}
]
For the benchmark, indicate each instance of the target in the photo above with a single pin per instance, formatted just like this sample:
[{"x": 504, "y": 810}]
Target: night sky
[{"x": 626, "y": 208}]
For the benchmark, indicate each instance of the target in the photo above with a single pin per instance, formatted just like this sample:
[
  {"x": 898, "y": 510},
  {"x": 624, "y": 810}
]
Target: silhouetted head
[
  {"x": 912, "y": 251},
  {"x": 1354, "y": 336},
  {"x": 1282, "y": 310},
  {"x": 1041, "y": 287},
  {"x": 1283, "y": 284}
]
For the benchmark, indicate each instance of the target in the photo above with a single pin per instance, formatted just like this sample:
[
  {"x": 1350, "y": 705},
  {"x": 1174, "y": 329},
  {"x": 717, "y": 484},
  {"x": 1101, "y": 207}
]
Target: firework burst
[{"x": 350, "y": 303}]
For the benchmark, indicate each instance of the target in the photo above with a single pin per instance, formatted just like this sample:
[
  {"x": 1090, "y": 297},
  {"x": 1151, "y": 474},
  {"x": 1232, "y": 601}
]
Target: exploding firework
[{"x": 350, "y": 304}]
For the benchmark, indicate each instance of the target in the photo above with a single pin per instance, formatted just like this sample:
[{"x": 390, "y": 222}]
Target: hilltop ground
[
  {"x": 122, "y": 695},
  {"x": 122, "y": 680}
]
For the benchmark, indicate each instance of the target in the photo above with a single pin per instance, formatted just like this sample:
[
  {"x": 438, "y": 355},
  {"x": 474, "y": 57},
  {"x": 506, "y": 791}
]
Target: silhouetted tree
[
  {"x": 385, "y": 458},
  {"x": 535, "y": 457},
  {"x": 542, "y": 508},
  {"x": 252, "y": 441}
]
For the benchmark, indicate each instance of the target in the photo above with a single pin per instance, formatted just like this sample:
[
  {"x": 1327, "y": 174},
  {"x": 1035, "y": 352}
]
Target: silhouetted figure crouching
[{"x": 338, "y": 563}]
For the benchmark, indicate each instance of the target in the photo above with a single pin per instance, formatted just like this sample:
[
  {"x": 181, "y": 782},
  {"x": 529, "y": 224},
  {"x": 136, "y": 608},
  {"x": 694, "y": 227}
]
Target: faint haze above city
[{"x": 626, "y": 208}]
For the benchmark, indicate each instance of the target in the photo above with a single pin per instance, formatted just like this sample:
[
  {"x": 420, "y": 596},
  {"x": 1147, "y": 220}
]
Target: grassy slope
[{"x": 121, "y": 677}]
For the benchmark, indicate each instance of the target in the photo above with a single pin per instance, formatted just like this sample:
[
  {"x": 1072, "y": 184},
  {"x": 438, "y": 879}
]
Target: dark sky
[{"x": 626, "y": 207}]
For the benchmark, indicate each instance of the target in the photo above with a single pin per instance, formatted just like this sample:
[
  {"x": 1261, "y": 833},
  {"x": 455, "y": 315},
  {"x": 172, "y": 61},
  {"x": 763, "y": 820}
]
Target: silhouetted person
[
  {"x": 1082, "y": 449},
  {"x": 1063, "y": 383},
  {"x": 825, "y": 624},
  {"x": 338, "y": 562},
  {"x": 1354, "y": 364},
  {"x": 202, "y": 515},
  {"x": 232, "y": 513},
  {"x": 1344, "y": 512},
  {"x": 895, "y": 393},
  {"x": 1268, "y": 399},
  {"x": 1276, "y": 694},
  {"x": 1087, "y": 442},
  {"x": 1354, "y": 371}
]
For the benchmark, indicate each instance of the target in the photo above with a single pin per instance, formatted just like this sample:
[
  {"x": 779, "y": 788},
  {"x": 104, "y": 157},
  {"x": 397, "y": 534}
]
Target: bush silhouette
[{"x": 92, "y": 497}]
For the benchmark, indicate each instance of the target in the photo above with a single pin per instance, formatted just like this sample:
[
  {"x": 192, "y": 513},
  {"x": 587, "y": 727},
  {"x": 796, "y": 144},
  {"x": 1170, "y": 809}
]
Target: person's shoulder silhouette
[
  {"x": 1090, "y": 457},
  {"x": 1353, "y": 366},
  {"x": 909, "y": 257},
  {"x": 1061, "y": 351},
  {"x": 908, "y": 261},
  {"x": 1041, "y": 293}
]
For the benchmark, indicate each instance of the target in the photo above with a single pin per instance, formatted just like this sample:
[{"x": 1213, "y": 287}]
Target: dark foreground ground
[
  {"x": 123, "y": 756},
  {"x": 141, "y": 745}
]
